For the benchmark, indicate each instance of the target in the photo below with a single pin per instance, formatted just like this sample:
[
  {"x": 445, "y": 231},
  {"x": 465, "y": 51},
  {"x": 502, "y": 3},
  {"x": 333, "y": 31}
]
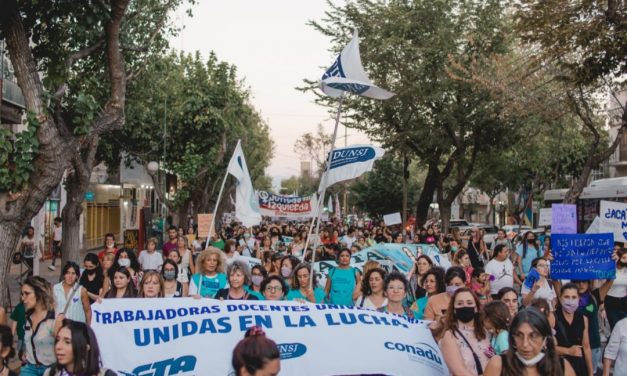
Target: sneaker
[{"x": 52, "y": 268}]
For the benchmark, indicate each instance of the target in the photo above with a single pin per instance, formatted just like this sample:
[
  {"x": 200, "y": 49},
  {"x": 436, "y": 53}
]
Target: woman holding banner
[
  {"x": 465, "y": 344},
  {"x": 210, "y": 275},
  {"x": 396, "y": 286},
  {"x": 372, "y": 290},
  {"x": 151, "y": 285},
  {"x": 239, "y": 277},
  {"x": 171, "y": 287},
  {"x": 122, "y": 285},
  {"x": 274, "y": 288},
  {"x": 343, "y": 281},
  {"x": 257, "y": 274},
  {"x": 300, "y": 286}
]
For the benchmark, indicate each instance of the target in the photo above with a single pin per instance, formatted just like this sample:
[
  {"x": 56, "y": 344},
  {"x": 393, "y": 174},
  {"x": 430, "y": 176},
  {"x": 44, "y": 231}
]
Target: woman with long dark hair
[
  {"x": 92, "y": 278},
  {"x": 421, "y": 266},
  {"x": 433, "y": 284},
  {"x": 372, "y": 290},
  {"x": 465, "y": 344},
  {"x": 532, "y": 349},
  {"x": 126, "y": 258},
  {"x": 122, "y": 286},
  {"x": 70, "y": 297},
  {"x": 571, "y": 326},
  {"x": 77, "y": 352}
]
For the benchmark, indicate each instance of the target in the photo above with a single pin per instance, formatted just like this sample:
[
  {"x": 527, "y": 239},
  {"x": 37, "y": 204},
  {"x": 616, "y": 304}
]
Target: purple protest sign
[{"x": 564, "y": 219}]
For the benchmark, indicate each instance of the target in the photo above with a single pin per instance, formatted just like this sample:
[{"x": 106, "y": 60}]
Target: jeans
[
  {"x": 32, "y": 370},
  {"x": 596, "y": 360}
]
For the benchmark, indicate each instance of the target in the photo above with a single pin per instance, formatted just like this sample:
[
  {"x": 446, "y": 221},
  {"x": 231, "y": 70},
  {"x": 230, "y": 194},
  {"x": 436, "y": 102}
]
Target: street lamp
[{"x": 153, "y": 168}]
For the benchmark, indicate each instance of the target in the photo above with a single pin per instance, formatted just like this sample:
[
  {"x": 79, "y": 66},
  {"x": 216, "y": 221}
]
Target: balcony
[{"x": 11, "y": 93}]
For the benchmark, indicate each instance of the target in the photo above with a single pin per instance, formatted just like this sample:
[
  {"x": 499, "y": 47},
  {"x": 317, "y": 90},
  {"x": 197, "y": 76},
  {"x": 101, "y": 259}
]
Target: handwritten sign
[
  {"x": 613, "y": 218},
  {"x": 582, "y": 256},
  {"x": 564, "y": 219},
  {"x": 204, "y": 222}
]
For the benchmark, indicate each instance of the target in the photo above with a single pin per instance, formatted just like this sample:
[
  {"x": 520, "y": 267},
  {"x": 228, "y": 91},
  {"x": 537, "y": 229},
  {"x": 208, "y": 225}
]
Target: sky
[{"x": 274, "y": 50}]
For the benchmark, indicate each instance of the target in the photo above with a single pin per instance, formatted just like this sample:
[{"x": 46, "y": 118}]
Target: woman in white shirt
[
  {"x": 616, "y": 299},
  {"x": 541, "y": 288},
  {"x": 616, "y": 350},
  {"x": 372, "y": 296}
]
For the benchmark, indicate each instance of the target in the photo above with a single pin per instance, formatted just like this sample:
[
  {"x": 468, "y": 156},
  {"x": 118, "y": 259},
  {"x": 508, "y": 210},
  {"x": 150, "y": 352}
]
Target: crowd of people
[{"x": 495, "y": 311}]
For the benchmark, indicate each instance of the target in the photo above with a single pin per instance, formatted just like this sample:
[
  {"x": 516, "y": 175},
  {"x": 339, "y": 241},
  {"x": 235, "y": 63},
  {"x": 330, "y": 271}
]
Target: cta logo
[
  {"x": 167, "y": 367},
  {"x": 291, "y": 350}
]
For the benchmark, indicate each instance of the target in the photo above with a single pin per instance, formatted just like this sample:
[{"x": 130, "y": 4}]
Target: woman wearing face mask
[
  {"x": 6, "y": 350},
  {"x": 343, "y": 281},
  {"x": 372, "y": 291},
  {"x": 432, "y": 283},
  {"x": 589, "y": 307},
  {"x": 238, "y": 276},
  {"x": 186, "y": 266},
  {"x": 300, "y": 286},
  {"x": 77, "y": 352},
  {"x": 438, "y": 304},
  {"x": 526, "y": 252},
  {"x": 151, "y": 286},
  {"x": 532, "y": 349},
  {"x": 541, "y": 287},
  {"x": 122, "y": 286},
  {"x": 70, "y": 297},
  {"x": 171, "y": 287},
  {"x": 182, "y": 276},
  {"x": 92, "y": 278},
  {"x": 127, "y": 258},
  {"x": 421, "y": 267},
  {"x": 395, "y": 287},
  {"x": 288, "y": 264},
  {"x": 573, "y": 341},
  {"x": 465, "y": 345},
  {"x": 257, "y": 274},
  {"x": 616, "y": 299}
]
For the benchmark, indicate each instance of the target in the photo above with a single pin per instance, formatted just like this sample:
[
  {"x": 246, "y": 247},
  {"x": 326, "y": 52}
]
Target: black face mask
[
  {"x": 531, "y": 241},
  {"x": 623, "y": 264},
  {"x": 90, "y": 271},
  {"x": 465, "y": 314}
]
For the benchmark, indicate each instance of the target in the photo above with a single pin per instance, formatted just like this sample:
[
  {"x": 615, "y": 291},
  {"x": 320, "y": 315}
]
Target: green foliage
[
  {"x": 301, "y": 185},
  {"x": 189, "y": 113},
  {"x": 17, "y": 153},
  {"x": 380, "y": 191}
]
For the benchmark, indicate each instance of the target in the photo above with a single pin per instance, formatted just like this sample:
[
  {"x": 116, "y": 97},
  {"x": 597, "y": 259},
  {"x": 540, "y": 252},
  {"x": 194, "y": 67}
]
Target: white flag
[
  {"x": 246, "y": 204},
  {"x": 350, "y": 162},
  {"x": 347, "y": 74},
  {"x": 338, "y": 208},
  {"x": 330, "y": 204}
]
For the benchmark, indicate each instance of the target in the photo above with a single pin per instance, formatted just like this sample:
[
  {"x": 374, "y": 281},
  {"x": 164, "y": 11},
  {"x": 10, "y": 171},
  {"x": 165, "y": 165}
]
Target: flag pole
[
  {"x": 215, "y": 210},
  {"x": 323, "y": 183}
]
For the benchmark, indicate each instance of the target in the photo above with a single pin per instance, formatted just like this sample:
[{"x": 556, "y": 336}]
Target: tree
[
  {"x": 301, "y": 185},
  {"x": 409, "y": 48},
  {"x": 314, "y": 147},
  {"x": 51, "y": 46},
  {"x": 207, "y": 111},
  {"x": 379, "y": 191},
  {"x": 588, "y": 47}
]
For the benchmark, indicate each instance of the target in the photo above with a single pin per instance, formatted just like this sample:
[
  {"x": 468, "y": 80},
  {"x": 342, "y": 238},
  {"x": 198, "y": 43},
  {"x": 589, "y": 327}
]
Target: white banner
[
  {"x": 349, "y": 163},
  {"x": 185, "y": 336},
  {"x": 246, "y": 205},
  {"x": 613, "y": 218},
  {"x": 545, "y": 217},
  {"x": 392, "y": 219}
]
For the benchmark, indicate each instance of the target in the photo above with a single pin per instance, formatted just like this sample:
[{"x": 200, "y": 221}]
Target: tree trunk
[
  {"x": 71, "y": 215},
  {"x": 445, "y": 214},
  {"x": 9, "y": 238},
  {"x": 426, "y": 196}
]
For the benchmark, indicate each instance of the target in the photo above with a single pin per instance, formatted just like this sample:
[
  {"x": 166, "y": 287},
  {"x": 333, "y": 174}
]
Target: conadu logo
[
  {"x": 419, "y": 351},
  {"x": 291, "y": 350}
]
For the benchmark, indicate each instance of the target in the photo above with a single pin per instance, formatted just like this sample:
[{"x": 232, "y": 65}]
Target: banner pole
[
  {"x": 215, "y": 210},
  {"x": 323, "y": 184}
]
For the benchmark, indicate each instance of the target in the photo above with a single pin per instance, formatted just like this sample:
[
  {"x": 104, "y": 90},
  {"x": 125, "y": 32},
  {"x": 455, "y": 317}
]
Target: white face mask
[
  {"x": 530, "y": 362},
  {"x": 124, "y": 262}
]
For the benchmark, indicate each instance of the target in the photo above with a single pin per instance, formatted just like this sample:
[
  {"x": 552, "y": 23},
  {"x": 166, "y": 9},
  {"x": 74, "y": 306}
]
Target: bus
[{"x": 589, "y": 202}]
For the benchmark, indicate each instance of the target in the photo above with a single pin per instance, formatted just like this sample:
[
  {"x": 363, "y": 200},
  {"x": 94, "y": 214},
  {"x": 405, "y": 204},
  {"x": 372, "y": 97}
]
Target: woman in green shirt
[{"x": 301, "y": 290}]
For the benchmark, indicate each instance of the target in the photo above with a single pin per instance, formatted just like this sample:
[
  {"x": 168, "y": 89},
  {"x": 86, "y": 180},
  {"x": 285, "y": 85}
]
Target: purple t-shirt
[{"x": 167, "y": 247}]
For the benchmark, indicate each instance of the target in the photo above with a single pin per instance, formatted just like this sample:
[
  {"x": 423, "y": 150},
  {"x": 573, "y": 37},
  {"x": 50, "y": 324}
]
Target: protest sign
[
  {"x": 204, "y": 222},
  {"x": 582, "y": 256},
  {"x": 613, "y": 218},
  {"x": 545, "y": 217},
  {"x": 186, "y": 336},
  {"x": 392, "y": 219},
  {"x": 272, "y": 205},
  {"x": 564, "y": 219}
]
